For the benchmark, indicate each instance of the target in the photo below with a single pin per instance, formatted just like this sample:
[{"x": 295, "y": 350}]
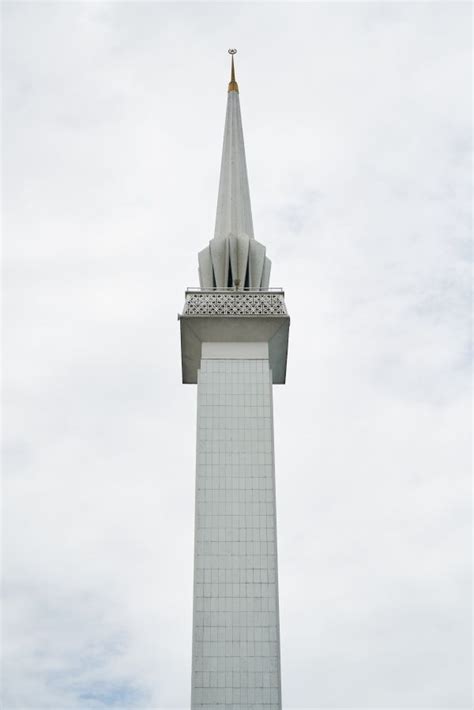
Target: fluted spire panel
[{"x": 234, "y": 213}]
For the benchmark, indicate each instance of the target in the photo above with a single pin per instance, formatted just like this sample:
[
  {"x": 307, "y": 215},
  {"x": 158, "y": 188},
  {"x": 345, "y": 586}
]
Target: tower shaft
[{"x": 236, "y": 653}]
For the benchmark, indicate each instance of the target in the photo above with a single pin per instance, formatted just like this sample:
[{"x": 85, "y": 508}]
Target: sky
[{"x": 358, "y": 131}]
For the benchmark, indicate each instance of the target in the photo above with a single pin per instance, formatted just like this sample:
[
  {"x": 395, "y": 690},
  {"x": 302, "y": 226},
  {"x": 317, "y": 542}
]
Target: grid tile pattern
[{"x": 236, "y": 648}]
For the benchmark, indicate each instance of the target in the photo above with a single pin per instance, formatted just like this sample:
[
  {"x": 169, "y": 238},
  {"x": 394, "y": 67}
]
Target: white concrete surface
[
  {"x": 236, "y": 637},
  {"x": 234, "y": 213},
  {"x": 235, "y": 351}
]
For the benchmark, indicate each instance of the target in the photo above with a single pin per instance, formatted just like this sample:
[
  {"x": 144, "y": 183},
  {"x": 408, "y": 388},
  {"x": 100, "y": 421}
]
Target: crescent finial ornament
[{"x": 233, "y": 86}]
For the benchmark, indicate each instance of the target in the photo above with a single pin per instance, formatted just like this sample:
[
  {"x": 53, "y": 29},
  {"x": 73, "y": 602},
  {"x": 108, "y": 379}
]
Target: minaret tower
[{"x": 234, "y": 342}]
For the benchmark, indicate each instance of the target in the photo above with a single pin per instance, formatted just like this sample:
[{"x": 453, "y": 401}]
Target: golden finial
[{"x": 233, "y": 86}]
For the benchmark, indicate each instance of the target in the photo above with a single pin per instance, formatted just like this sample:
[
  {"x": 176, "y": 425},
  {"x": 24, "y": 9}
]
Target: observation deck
[{"x": 234, "y": 315}]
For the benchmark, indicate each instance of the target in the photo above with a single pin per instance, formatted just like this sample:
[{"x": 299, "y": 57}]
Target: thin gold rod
[{"x": 233, "y": 86}]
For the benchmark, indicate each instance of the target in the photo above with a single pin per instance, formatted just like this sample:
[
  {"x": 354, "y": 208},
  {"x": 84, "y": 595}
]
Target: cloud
[{"x": 357, "y": 134}]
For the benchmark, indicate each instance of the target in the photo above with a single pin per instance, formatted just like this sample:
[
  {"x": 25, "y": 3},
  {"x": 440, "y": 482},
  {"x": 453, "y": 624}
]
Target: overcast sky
[{"x": 357, "y": 127}]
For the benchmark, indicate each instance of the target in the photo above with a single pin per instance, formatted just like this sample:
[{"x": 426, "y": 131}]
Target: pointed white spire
[
  {"x": 234, "y": 213},
  {"x": 234, "y": 258}
]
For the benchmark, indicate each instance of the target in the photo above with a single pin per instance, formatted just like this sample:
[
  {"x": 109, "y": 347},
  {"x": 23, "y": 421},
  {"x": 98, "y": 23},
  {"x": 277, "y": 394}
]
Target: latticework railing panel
[{"x": 234, "y": 303}]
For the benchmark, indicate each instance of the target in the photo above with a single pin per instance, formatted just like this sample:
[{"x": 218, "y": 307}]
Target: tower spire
[
  {"x": 234, "y": 213},
  {"x": 234, "y": 258}
]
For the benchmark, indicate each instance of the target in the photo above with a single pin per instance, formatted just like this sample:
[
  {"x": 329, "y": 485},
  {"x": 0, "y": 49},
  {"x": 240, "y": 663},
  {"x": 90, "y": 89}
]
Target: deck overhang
[{"x": 228, "y": 315}]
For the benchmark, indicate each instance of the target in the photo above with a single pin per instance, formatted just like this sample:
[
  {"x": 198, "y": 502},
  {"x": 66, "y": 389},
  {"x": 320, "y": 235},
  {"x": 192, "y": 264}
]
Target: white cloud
[{"x": 357, "y": 134}]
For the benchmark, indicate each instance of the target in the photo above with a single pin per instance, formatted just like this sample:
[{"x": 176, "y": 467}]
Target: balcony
[
  {"x": 231, "y": 302},
  {"x": 229, "y": 315}
]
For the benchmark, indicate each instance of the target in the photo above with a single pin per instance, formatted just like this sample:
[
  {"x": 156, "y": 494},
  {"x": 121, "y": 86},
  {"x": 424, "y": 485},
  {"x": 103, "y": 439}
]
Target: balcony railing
[
  {"x": 240, "y": 302},
  {"x": 233, "y": 289}
]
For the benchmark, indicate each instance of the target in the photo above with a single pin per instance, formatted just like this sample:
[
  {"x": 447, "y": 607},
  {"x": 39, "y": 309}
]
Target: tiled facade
[{"x": 236, "y": 646}]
